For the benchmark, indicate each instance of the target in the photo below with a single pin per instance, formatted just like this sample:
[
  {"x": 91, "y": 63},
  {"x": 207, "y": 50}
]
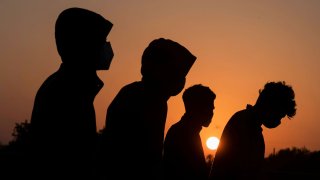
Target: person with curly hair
[{"x": 241, "y": 150}]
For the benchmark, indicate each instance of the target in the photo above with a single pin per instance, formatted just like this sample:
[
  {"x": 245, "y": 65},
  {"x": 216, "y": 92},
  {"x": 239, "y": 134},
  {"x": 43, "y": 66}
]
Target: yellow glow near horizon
[{"x": 213, "y": 143}]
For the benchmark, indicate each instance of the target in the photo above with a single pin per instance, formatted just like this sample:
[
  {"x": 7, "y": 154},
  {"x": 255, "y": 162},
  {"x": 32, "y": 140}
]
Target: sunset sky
[{"x": 240, "y": 45}]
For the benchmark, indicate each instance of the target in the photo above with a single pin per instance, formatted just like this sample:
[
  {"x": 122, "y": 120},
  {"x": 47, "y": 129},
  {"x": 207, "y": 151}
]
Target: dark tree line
[
  {"x": 294, "y": 163},
  {"x": 13, "y": 159},
  {"x": 286, "y": 163}
]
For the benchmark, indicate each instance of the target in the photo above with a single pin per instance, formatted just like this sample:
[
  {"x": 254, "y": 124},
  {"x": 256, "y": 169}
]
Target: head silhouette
[
  {"x": 275, "y": 102},
  {"x": 165, "y": 64},
  {"x": 81, "y": 38},
  {"x": 199, "y": 103}
]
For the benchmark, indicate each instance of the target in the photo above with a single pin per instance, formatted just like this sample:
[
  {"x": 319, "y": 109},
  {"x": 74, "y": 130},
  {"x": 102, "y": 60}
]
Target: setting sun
[{"x": 213, "y": 143}]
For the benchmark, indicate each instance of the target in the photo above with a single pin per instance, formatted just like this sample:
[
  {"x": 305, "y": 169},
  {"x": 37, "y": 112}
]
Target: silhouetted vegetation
[
  {"x": 286, "y": 163},
  {"x": 13, "y": 155},
  {"x": 21, "y": 137},
  {"x": 293, "y": 163},
  {"x": 209, "y": 159}
]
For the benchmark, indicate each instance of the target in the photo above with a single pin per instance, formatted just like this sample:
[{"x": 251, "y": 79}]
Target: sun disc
[{"x": 213, "y": 143}]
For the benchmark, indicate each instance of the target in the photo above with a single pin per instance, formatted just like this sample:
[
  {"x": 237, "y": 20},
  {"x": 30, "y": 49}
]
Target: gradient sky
[{"x": 240, "y": 45}]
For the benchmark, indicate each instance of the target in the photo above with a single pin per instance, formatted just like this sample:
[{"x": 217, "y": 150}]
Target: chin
[
  {"x": 176, "y": 88},
  {"x": 175, "y": 92},
  {"x": 207, "y": 124},
  {"x": 102, "y": 68},
  {"x": 271, "y": 126}
]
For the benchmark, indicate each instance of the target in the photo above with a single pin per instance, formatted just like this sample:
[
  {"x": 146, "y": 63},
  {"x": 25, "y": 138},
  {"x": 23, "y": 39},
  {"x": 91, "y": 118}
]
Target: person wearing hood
[
  {"x": 63, "y": 122},
  {"x": 136, "y": 117}
]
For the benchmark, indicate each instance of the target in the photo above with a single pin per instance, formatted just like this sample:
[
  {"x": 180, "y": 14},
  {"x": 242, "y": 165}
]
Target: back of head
[
  {"x": 166, "y": 58},
  {"x": 279, "y": 96},
  {"x": 79, "y": 33},
  {"x": 197, "y": 97}
]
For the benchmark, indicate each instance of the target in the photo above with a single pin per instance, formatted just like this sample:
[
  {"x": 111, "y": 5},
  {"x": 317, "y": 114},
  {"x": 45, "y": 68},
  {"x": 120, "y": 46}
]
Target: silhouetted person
[
  {"x": 63, "y": 123},
  {"x": 136, "y": 118},
  {"x": 241, "y": 150},
  {"x": 183, "y": 154}
]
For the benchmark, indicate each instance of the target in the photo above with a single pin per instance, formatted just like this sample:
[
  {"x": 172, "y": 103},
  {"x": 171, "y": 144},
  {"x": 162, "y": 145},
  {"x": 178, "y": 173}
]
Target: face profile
[
  {"x": 275, "y": 102},
  {"x": 81, "y": 39},
  {"x": 105, "y": 59},
  {"x": 199, "y": 104},
  {"x": 273, "y": 119},
  {"x": 207, "y": 115},
  {"x": 175, "y": 86},
  {"x": 165, "y": 65}
]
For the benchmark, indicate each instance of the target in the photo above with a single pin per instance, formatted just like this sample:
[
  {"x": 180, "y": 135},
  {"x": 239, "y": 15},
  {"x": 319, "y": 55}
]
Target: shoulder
[
  {"x": 49, "y": 86},
  {"x": 238, "y": 117},
  {"x": 173, "y": 130},
  {"x": 131, "y": 89},
  {"x": 238, "y": 124},
  {"x": 173, "y": 137},
  {"x": 127, "y": 95},
  {"x": 177, "y": 131}
]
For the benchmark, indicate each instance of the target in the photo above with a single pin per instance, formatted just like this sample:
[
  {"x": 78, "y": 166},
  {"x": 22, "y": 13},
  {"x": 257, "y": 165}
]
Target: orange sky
[{"x": 240, "y": 46}]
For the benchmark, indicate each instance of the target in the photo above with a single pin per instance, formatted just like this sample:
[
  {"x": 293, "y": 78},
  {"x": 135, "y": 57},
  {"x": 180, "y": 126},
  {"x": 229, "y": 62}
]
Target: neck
[
  {"x": 155, "y": 90},
  {"x": 79, "y": 69},
  {"x": 193, "y": 121},
  {"x": 258, "y": 114}
]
